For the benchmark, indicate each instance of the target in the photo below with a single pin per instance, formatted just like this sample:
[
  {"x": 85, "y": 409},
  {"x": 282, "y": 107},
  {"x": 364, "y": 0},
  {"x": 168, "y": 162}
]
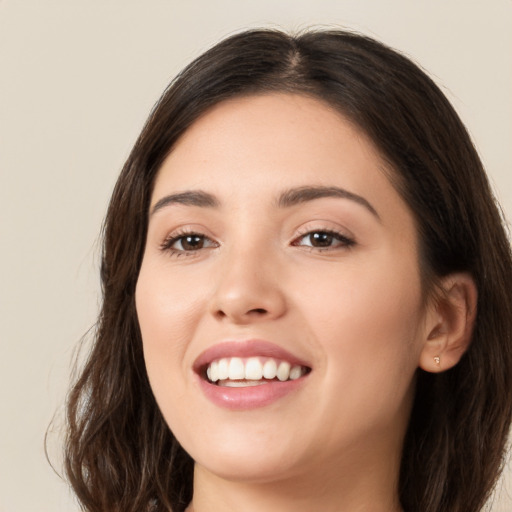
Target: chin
[
  {"x": 262, "y": 468},
  {"x": 247, "y": 458}
]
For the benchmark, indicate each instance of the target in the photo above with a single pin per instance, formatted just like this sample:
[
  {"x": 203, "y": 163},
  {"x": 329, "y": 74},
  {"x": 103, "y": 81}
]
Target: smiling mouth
[{"x": 251, "y": 371}]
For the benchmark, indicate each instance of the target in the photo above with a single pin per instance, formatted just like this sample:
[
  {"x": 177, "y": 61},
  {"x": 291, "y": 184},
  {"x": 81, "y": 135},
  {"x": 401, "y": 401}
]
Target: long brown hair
[{"x": 120, "y": 454}]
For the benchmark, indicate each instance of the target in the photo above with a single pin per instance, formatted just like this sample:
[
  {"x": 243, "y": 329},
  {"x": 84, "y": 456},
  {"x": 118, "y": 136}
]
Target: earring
[{"x": 437, "y": 360}]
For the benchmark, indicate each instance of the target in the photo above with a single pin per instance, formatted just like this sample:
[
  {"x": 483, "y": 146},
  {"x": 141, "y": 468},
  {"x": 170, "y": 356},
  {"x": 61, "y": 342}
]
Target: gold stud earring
[{"x": 437, "y": 360}]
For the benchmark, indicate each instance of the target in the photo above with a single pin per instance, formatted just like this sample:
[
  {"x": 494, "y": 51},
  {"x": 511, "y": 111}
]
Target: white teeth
[
  {"x": 213, "y": 372},
  {"x": 223, "y": 369},
  {"x": 283, "y": 372},
  {"x": 236, "y": 369},
  {"x": 241, "y": 383},
  {"x": 295, "y": 372},
  {"x": 237, "y": 372},
  {"x": 253, "y": 369},
  {"x": 270, "y": 369}
]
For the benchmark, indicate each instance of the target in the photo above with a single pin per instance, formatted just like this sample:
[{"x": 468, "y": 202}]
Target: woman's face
[{"x": 276, "y": 243}]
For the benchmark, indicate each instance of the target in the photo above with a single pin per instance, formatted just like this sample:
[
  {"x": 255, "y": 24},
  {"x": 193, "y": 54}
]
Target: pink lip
[{"x": 252, "y": 396}]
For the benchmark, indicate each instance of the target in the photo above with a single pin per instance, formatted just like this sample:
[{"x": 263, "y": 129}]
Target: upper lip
[{"x": 247, "y": 348}]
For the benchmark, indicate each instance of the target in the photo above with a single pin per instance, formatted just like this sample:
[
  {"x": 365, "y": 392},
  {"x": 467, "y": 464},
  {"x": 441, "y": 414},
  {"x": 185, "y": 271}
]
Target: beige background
[{"x": 77, "y": 79}]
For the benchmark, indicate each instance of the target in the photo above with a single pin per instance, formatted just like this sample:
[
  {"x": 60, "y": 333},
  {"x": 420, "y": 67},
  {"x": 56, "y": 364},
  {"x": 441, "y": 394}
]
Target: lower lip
[{"x": 250, "y": 397}]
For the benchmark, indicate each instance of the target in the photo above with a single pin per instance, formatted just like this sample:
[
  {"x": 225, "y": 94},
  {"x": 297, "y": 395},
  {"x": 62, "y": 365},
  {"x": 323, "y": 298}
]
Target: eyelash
[
  {"x": 344, "y": 241},
  {"x": 166, "y": 246}
]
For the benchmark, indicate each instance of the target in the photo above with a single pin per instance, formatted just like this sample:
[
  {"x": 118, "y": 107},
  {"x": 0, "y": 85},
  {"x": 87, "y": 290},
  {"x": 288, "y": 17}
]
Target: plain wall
[{"x": 77, "y": 79}]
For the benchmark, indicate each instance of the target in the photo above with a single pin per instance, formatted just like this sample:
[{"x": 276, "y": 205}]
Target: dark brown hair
[{"x": 120, "y": 454}]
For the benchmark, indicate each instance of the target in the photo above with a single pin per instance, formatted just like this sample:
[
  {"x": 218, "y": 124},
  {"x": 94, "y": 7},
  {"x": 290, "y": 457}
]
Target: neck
[{"x": 361, "y": 489}]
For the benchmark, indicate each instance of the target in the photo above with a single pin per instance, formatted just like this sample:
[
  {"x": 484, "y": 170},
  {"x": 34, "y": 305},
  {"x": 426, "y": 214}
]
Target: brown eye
[
  {"x": 324, "y": 240},
  {"x": 189, "y": 243},
  {"x": 321, "y": 239}
]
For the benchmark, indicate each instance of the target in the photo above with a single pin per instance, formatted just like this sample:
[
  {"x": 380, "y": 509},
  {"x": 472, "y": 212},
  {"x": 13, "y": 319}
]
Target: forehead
[{"x": 286, "y": 135}]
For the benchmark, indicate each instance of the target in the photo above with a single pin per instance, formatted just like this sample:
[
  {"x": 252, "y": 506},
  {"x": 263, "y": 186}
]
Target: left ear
[{"x": 449, "y": 323}]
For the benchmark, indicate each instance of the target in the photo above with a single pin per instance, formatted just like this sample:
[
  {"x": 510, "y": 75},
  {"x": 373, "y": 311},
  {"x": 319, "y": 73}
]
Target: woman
[{"x": 307, "y": 295}]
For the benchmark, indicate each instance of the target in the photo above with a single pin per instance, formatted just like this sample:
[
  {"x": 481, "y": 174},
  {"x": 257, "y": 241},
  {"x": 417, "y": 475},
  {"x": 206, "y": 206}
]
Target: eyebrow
[
  {"x": 287, "y": 199},
  {"x": 300, "y": 195},
  {"x": 189, "y": 198}
]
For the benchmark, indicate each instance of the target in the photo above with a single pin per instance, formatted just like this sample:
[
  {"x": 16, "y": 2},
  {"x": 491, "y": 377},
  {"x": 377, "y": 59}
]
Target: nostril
[{"x": 241, "y": 315}]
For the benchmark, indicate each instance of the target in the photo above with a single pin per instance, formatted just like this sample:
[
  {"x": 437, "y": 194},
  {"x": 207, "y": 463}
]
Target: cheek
[
  {"x": 371, "y": 351},
  {"x": 368, "y": 324},
  {"x": 166, "y": 303},
  {"x": 167, "y": 311}
]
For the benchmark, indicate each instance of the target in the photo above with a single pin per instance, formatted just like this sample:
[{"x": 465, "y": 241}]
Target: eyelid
[
  {"x": 182, "y": 232},
  {"x": 342, "y": 240},
  {"x": 342, "y": 235},
  {"x": 323, "y": 225},
  {"x": 346, "y": 238}
]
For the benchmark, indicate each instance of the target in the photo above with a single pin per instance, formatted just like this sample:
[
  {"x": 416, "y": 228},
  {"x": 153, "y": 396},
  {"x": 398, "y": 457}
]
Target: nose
[{"x": 248, "y": 289}]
